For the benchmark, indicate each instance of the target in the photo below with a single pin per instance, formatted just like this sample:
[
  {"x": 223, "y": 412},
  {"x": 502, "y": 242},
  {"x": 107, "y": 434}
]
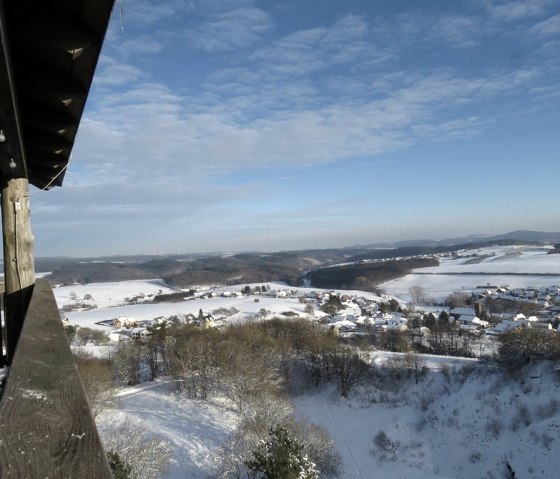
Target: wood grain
[{"x": 46, "y": 427}]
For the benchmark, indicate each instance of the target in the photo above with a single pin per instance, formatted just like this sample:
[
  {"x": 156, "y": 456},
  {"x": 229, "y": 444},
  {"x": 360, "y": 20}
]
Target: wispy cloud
[
  {"x": 231, "y": 29},
  {"x": 147, "y": 12},
  {"x": 518, "y": 10},
  {"x": 548, "y": 28},
  {"x": 443, "y": 30},
  {"x": 111, "y": 72},
  {"x": 347, "y": 41},
  {"x": 151, "y": 128},
  {"x": 188, "y": 118},
  {"x": 138, "y": 46}
]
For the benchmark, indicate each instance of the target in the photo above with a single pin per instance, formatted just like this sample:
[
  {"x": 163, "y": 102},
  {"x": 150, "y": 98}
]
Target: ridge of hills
[{"x": 291, "y": 267}]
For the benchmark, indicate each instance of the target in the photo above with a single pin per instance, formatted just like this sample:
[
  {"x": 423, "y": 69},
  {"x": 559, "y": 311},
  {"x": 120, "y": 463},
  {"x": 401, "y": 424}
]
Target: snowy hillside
[
  {"x": 463, "y": 420},
  {"x": 515, "y": 266},
  {"x": 464, "y": 424}
]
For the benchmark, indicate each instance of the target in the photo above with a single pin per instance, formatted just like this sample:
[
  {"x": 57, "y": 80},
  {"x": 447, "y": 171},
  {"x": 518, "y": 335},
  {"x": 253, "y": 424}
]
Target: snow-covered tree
[
  {"x": 281, "y": 456},
  {"x": 142, "y": 455}
]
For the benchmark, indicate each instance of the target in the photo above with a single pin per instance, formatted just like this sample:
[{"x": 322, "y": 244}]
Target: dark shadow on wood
[
  {"x": 16, "y": 305},
  {"x": 46, "y": 427}
]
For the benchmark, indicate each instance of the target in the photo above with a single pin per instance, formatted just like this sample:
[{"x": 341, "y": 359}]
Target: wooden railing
[{"x": 46, "y": 426}]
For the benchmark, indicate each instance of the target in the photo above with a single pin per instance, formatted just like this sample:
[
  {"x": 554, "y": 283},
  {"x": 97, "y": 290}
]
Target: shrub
[
  {"x": 383, "y": 442},
  {"x": 139, "y": 454},
  {"x": 88, "y": 335},
  {"x": 281, "y": 456},
  {"x": 545, "y": 411},
  {"x": 494, "y": 428},
  {"x": 120, "y": 469},
  {"x": 474, "y": 457},
  {"x": 521, "y": 346}
]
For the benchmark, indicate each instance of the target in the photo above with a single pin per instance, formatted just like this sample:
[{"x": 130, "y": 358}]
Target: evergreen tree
[
  {"x": 119, "y": 467},
  {"x": 281, "y": 457}
]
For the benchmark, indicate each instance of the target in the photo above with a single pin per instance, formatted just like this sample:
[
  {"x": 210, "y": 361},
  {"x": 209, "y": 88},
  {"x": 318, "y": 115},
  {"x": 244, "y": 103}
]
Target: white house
[
  {"x": 472, "y": 321},
  {"x": 124, "y": 322},
  {"x": 140, "y": 333},
  {"x": 118, "y": 336},
  {"x": 506, "y": 326}
]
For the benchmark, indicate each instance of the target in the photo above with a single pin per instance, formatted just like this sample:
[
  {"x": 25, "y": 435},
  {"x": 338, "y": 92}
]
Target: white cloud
[
  {"x": 547, "y": 28},
  {"x": 518, "y": 10},
  {"x": 231, "y": 30},
  {"x": 443, "y": 30},
  {"x": 149, "y": 129},
  {"x": 146, "y": 12},
  {"x": 139, "y": 45},
  {"x": 346, "y": 41},
  {"x": 111, "y": 72},
  {"x": 159, "y": 154},
  {"x": 458, "y": 30}
]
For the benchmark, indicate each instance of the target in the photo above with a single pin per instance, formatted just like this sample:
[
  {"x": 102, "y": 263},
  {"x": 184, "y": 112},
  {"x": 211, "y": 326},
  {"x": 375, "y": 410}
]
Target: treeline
[
  {"x": 365, "y": 276},
  {"x": 184, "y": 272},
  {"x": 241, "y": 361}
]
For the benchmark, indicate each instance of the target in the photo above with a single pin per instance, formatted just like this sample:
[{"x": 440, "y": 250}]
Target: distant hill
[
  {"x": 521, "y": 236},
  {"x": 252, "y": 267}
]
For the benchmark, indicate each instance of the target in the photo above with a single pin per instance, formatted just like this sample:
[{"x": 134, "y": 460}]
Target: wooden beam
[
  {"x": 50, "y": 120},
  {"x": 12, "y": 148},
  {"x": 42, "y": 83},
  {"x": 44, "y": 23},
  {"x": 19, "y": 269},
  {"x": 42, "y": 140},
  {"x": 46, "y": 427}
]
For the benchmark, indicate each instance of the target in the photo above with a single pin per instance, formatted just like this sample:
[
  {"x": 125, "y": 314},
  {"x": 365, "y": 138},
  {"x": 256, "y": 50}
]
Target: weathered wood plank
[
  {"x": 46, "y": 427},
  {"x": 19, "y": 269}
]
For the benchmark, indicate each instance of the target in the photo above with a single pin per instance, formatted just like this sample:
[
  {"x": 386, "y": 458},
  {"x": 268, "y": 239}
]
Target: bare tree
[
  {"x": 192, "y": 362},
  {"x": 128, "y": 361},
  {"x": 97, "y": 379},
  {"x": 418, "y": 294},
  {"x": 347, "y": 367},
  {"x": 415, "y": 364},
  {"x": 523, "y": 345},
  {"x": 244, "y": 374}
]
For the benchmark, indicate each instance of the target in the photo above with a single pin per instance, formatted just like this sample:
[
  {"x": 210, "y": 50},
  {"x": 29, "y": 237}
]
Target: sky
[{"x": 236, "y": 125}]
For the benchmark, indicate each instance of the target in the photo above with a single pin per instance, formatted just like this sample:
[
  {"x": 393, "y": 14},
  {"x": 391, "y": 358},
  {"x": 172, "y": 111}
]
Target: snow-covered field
[
  {"x": 110, "y": 301},
  {"x": 501, "y": 259},
  {"x": 110, "y": 294},
  {"x": 517, "y": 266}
]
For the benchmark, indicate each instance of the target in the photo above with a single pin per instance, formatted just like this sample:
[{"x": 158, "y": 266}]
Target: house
[
  {"x": 503, "y": 327},
  {"x": 118, "y": 336},
  {"x": 458, "y": 312},
  {"x": 124, "y": 322},
  {"x": 472, "y": 321},
  {"x": 140, "y": 333}
]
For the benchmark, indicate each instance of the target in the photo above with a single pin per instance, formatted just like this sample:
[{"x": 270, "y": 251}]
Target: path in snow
[{"x": 358, "y": 472}]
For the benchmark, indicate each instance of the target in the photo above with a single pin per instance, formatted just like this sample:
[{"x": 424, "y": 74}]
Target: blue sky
[{"x": 230, "y": 125}]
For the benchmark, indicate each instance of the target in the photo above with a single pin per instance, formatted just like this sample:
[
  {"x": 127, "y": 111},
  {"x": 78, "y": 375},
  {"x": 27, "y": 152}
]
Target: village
[{"x": 488, "y": 311}]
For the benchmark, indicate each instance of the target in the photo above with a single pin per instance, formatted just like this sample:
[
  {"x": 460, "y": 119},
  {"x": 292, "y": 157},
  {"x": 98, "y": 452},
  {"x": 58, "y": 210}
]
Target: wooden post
[{"x": 19, "y": 269}]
